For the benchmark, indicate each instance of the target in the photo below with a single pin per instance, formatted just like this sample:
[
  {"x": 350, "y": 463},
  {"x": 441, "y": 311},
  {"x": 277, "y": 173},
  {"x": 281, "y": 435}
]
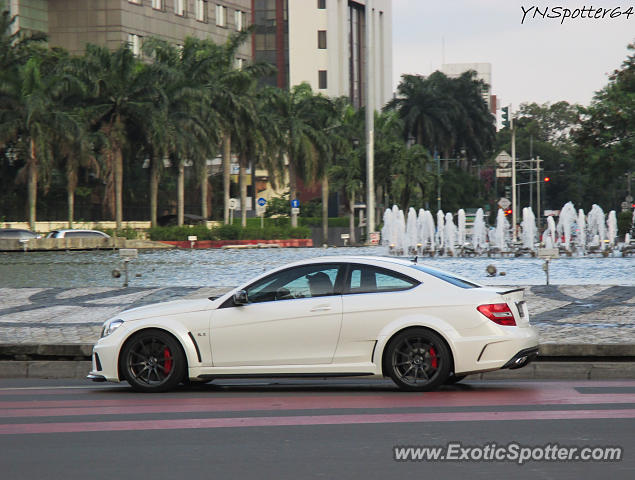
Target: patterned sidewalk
[{"x": 589, "y": 314}]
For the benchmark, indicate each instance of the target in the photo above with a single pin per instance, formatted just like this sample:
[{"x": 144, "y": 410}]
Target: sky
[{"x": 536, "y": 60}]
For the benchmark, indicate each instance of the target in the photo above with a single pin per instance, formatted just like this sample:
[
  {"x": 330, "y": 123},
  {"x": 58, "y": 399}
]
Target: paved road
[{"x": 305, "y": 429}]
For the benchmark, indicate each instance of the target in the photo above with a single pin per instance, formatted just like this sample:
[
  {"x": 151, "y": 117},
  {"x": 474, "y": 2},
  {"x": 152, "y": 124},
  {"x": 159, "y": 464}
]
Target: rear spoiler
[{"x": 511, "y": 291}]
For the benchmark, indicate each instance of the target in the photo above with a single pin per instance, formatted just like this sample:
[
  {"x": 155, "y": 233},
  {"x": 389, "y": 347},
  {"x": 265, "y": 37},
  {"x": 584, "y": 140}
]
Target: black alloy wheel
[
  {"x": 153, "y": 361},
  {"x": 418, "y": 360}
]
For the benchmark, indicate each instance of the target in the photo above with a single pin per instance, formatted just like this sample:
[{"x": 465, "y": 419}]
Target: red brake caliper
[
  {"x": 434, "y": 363},
  {"x": 168, "y": 360}
]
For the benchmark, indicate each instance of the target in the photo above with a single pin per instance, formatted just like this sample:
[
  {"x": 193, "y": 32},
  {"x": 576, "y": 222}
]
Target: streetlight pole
[
  {"x": 514, "y": 213},
  {"x": 370, "y": 120},
  {"x": 438, "y": 162},
  {"x": 538, "y": 182}
]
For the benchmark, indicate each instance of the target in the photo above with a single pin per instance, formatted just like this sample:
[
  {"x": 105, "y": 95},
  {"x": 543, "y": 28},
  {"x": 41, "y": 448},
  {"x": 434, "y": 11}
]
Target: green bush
[
  {"x": 228, "y": 232},
  {"x": 175, "y": 233},
  {"x": 129, "y": 233}
]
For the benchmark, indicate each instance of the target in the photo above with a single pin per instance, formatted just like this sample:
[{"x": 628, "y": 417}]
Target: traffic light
[
  {"x": 508, "y": 212},
  {"x": 547, "y": 179},
  {"x": 505, "y": 117}
]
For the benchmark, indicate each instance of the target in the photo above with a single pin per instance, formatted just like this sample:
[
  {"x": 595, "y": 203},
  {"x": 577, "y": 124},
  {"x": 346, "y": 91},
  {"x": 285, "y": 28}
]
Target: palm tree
[
  {"x": 299, "y": 115},
  {"x": 348, "y": 170},
  {"x": 122, "y": 94},
  {"x": 31, "y": 116}
]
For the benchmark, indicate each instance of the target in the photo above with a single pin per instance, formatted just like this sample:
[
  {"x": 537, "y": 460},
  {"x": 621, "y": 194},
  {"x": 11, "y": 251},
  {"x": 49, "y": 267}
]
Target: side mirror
[{"x": 240, "y": 298}]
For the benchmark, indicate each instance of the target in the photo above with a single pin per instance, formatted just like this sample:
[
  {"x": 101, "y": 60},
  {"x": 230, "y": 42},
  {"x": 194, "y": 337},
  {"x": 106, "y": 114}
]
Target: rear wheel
[
  {"x": 152, "y": 361},
  {"x": 418, "y": 360}
]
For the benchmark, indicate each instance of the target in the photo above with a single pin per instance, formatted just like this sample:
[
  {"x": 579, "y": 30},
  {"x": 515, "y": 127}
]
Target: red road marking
[
  {"x": 26, "y": 428},
  {"x": 157, "y": 404}
]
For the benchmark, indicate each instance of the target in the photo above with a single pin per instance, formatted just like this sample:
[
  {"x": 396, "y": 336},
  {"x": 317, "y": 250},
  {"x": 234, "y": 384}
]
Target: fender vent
[{"x": 198, "y": 352}]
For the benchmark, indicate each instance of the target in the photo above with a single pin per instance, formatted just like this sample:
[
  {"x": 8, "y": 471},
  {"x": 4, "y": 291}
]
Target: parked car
[
  {"x": 17, "y": 234},
  {"x": 77, "y": 233},
  {"x": 328, "y": 316}
]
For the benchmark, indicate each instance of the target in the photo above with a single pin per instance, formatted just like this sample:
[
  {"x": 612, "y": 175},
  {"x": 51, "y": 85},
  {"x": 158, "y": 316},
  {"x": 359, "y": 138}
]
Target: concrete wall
[{"x": 74, "y": 23}]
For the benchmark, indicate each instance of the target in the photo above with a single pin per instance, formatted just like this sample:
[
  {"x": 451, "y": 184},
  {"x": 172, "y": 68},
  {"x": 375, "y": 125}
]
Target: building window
[
  {"x": 321, "y": 4},
  {"x": 221, "y": 16},
  {"x": 321, "y": 38},
  {"x": 134, "y": 43},
  {"x": 157, "y": 4},
  {"x": 201, "y": 10},
  {"x": 179, "y": 7},
  {"x": 322, "y": 79},
  {"x": 239, "y": 20}
]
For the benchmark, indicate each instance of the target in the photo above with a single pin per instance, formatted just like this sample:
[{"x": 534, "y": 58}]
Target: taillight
[{"x": 498, "y": 313}]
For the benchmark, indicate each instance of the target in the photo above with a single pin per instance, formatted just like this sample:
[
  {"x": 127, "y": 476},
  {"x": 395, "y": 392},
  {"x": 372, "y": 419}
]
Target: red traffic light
[
  {"x": 508, "y": 212},
  {"x": 547, "y": 179}
]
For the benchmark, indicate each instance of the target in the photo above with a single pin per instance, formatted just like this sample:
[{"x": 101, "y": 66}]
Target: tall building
[
  {"x": 72, "y": 24},
  {"x": 483, "y": 72},
  {"x": 323, "y": 42}
]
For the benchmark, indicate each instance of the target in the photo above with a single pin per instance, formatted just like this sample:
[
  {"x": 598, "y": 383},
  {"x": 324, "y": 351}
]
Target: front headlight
[{"x": 110, "y": 326}]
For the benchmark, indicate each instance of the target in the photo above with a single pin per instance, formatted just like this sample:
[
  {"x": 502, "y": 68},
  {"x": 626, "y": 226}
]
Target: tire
[
  {"x": 417, "y": 360},
  {"x": 153, "y": 361},
  {"x": 452, "y": 379}
]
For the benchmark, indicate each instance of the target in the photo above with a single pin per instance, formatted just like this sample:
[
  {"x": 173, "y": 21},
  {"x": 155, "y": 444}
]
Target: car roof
[
  {"x": 420, "y": 270},
  {"x": 77, "y": 230}
]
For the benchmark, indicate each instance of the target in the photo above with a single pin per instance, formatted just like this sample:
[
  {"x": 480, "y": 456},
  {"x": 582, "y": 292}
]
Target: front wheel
[
  {"x": 152, "y": 361},
  {"x": 418, "y": 360}
]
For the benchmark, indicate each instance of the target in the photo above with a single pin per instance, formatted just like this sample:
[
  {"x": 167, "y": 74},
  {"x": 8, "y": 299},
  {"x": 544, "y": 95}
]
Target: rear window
[{"x": 446, "y": 277}]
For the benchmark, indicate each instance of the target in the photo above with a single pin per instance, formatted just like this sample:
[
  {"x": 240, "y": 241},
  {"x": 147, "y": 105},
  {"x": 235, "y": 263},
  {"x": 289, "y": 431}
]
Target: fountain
[
  {"x": 501, "y": 233},
  {"x": 611, "y": 226},
  {"x": 479, "y": 232},
  {"x": 528, "y": 226},
  {"x": 581, "y": 232},
  {"x": 461, "y": 227},
  {"x": 549, "y": 235},
  {"x": 412, "y": 232},
  {"x": 565, "y": 223},
  {"x": 440, "y": 237},
  {"x": 450, "y": 236},
  {"x": 427, "y": 231},
  {"x": 596, "y": 229},
  {"x": 574, "y": 233}
]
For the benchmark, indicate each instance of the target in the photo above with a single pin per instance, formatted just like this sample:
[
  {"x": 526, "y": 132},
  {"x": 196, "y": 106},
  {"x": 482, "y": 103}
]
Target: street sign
[
  {"x": 262, "y": 202},
  {"x": 504, "y": 172},
  {"x": 233, "y": 203},
  {"x": 260, "y": 209},
  {"x": 295, "y": 211},
  {"x": 295, "y": 203},
  {"x": 504, "y": 203},
  {"x": 504, "y": 160},
  {"x": 374, "y": 238}
]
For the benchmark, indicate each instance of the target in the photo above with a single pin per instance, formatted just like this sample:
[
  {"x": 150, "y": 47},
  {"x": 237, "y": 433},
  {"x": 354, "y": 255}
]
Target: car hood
[{"x": 162, "y": 309}]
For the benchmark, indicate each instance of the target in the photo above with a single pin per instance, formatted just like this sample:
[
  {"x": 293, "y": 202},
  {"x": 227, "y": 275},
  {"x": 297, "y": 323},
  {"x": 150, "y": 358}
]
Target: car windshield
[{"x": 447, "y": 277}]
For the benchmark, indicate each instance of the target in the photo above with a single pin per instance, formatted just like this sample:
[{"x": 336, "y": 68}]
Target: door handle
[{"x": 322, "y": 308}]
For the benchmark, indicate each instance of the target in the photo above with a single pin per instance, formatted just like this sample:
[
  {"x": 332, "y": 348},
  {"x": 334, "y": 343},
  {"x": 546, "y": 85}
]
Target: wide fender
[
  {"x": 438, "y": 325},
  {"x": 171, "y": 326}
]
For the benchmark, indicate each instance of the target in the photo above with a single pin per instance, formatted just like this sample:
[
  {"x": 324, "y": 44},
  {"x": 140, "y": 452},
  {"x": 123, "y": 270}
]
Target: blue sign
[
  {"x": 295, "y": 203},
  {"x": 262, "y": 202}
]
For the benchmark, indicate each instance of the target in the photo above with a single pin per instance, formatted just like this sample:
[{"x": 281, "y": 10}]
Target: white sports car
[{"x": 328, "y": 316}]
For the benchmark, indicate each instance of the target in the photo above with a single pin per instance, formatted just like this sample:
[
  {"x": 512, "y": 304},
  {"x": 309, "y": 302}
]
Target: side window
[
  {"x": 368, "y": 279},
  {"x": 301, "y": 282}
]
